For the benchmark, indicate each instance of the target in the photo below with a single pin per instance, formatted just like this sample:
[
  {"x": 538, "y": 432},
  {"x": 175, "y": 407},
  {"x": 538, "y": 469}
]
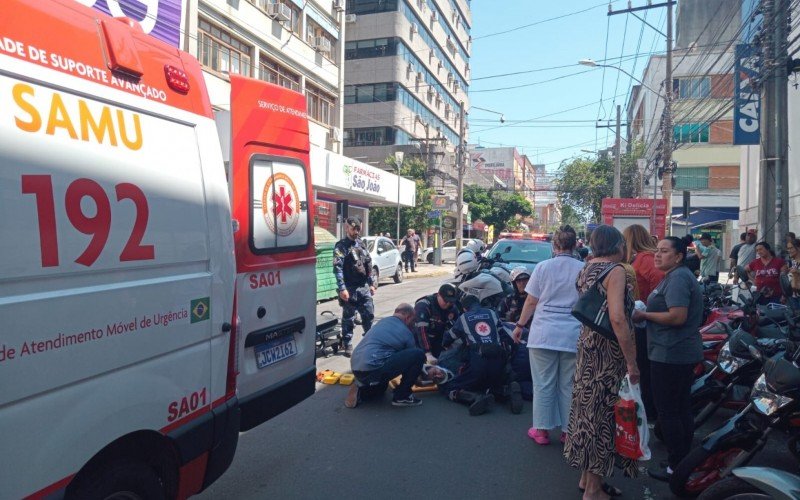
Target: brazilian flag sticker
[{"x": 201, "y": 309}]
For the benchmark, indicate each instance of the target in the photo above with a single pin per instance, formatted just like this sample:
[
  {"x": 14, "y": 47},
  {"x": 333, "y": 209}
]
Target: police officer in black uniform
[
  {"x": 352, "y": 266},
  {"x": 486, "y": 348},
  {"x": 435, "y": 315}
]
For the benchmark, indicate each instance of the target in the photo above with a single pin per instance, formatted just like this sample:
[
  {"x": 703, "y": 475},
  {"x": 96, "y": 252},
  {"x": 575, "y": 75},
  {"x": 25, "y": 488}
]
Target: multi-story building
[
  {"x": 296, "y": 44},
  {"x": 407, "y": 75},
  {"x": 751, "y": 155},
  {"x": 702, "y": 142}
]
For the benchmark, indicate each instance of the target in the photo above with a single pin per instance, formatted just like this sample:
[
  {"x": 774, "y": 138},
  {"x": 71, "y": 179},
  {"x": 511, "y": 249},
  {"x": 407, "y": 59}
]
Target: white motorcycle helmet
[
  {"x": 519, "y": 272},
  {"x": 476, "y": 246},
  {"x": 466, "y": 262}
]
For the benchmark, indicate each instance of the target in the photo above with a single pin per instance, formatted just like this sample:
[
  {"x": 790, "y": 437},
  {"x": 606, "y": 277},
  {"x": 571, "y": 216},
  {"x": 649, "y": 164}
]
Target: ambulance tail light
[
  {"x": 177, "y": 79},
  {"x": 233, "y": 353}
]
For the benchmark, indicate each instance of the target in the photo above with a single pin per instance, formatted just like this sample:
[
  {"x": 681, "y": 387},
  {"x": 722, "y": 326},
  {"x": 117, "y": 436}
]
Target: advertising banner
[
  {"x": 159, "y": 18},
  {"x": 746, "y": 97}
]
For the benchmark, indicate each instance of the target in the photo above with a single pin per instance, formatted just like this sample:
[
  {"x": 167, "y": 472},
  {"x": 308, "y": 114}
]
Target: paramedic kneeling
[{"x": 388, "y": 351}]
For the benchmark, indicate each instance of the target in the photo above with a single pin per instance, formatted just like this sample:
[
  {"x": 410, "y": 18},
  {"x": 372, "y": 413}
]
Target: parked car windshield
[{"x": 523, "y": 251}]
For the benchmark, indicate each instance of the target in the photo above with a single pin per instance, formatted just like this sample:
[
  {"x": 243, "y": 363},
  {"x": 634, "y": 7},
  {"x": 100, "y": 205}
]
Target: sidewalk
[{"x": 425, "y": 270}]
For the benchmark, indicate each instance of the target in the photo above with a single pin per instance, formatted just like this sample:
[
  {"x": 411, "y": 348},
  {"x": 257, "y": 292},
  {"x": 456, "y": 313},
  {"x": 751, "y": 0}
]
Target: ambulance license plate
[{"x": 275, "y": 350}]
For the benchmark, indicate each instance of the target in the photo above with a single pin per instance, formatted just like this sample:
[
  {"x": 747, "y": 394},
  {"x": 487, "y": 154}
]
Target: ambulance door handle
[
  {"x": 261, "y": 312},
  {"x": 226, "y": 327}
]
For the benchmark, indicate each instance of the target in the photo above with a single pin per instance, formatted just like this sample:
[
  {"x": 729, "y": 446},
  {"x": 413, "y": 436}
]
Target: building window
[
  {"x": 379, "y": 47},
  {"x": 691, "y": 178},
  {"x": 219, "y": 51},
  {"x": 294, "y": 23},
  {"x": 321, "y": 105},
  {"x": 320, "y": 39},
  {"x": 371, "y": 6},
  {"x": 371, "y": 92},
  {"x": 690, "y": 133},
  {"x": 371, "y": 136},
  {"x": 271, "y": 71},
  {"x": 691, "y": 88}
]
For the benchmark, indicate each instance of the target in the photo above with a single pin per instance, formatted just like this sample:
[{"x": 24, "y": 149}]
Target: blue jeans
[
  {"x": 410, "y": 258},
  {"x": 407, "y": 363}
]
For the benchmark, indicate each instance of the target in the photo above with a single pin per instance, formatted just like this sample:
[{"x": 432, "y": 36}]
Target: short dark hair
[
  {"x": 678, "y": 244},
  {"x": 791, "y": 235},
  {"x": 354, "y": 220},
  {"x": 606, "y": 241},
  {"x": 743, "y": 236},
  {"x": 565, "y": 238}
]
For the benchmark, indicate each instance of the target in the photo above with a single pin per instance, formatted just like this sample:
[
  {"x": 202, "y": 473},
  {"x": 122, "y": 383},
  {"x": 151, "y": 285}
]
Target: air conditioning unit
[
  {"x": 449, "y": 78},
  {"x": 421, "y": 5},
  {"x": 350, "y": 18},
  {"x": 439, "y": 66},
  {"x": 409, "y": 70},
  {"x": 279, "y": 11},
  {"x": 450, "y": 44},
  {"x": 466, "y": 68},
  {"x": 419, "y": 77},
  {"x": 338, "y": 5},
  {"x": 322, "y": 44},
  {"x": 336, "y": 134},
  {"x": 456, "y": 86},
  {"x": 434, "y": 17},
  {"x": 414, "y": 28},
  {"x": 430, "y": 92}
]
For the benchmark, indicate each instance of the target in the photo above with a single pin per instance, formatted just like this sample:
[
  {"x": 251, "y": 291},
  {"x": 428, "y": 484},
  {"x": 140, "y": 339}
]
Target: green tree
[
  {"x": 384, "y": 219},
  {"x": 499, "y": 208},
  {"x": 582, "y": 183}
]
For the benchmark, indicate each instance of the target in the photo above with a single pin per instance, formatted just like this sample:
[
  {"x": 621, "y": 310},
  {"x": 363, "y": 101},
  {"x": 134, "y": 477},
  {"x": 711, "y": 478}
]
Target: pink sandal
[{"x": 541, "y": 436}]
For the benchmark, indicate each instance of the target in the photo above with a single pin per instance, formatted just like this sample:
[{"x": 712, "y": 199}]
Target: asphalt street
[{"x": 320, "y": 449}]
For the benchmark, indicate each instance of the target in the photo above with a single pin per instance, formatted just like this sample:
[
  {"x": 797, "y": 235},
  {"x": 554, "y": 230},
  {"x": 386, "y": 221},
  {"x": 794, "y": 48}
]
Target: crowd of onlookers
[{"x": 574, "y": 371}]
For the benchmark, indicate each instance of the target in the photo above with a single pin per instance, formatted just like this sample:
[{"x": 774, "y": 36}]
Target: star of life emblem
[
  {"x": 280, "y": 204},
  {"x": 483, "y": 328}
]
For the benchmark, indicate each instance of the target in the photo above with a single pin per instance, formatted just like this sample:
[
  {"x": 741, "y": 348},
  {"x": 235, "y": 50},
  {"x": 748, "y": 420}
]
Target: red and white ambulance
[{"x": 157, "y": 285}]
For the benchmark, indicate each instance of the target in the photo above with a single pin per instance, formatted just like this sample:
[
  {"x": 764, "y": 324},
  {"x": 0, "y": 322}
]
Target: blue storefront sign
[
  {"x": 746, "y": 96},
  {"x": 158, "y": 18}
]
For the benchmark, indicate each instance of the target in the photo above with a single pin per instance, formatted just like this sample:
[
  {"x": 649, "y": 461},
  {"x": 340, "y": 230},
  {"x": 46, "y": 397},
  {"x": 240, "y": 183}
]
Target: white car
[
  {"x": 448, "y": 251},
  {"x": 386, "y": 261}
]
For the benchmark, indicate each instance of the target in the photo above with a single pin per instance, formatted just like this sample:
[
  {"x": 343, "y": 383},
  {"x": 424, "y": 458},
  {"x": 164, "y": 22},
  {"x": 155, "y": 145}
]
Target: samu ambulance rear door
[{"x": 276, "y": 281}]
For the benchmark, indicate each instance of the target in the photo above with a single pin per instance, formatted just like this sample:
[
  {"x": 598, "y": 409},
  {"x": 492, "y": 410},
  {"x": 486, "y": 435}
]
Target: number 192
[{"x": 98, "y": 226}]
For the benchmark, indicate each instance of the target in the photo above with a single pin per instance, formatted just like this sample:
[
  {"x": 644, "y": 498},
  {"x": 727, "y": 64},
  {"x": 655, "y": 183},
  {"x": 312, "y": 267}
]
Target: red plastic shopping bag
[{"x": 631, "y": 436}]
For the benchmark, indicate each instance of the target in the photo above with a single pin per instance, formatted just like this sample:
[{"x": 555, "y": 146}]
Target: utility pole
[
  {"x": 667, "y": 117},
  {"x": 461, "y": 154},
  {"x": 617, "y": 159},
  {"x": 774, "y": 169},
  {"x": 667, "y": 140}
]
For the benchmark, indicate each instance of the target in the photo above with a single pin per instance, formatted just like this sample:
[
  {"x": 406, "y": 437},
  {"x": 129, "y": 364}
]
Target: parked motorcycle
[
  {"x": 774, "y": 405},
  {"x": 755, "y": 483}
]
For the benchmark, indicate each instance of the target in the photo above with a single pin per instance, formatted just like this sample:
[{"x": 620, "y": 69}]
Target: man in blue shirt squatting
[{"x": 389, "y": 350}]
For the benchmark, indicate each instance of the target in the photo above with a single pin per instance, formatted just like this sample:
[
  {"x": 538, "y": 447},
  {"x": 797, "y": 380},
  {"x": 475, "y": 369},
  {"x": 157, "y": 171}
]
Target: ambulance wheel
[
  {"x": 398, "y": 275},
  {"x": 121, "y": 480}
]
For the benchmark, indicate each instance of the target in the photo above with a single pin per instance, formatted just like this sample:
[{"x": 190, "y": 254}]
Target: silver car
[
  {"x": 386, "y": 261},
  {"x": 448, "y": 251}
]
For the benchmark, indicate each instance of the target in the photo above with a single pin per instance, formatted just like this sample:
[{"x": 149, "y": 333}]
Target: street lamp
[
  {"x": 398, "y": 159},
  {"x": 502, "y": 116},
  {"x": 591, "y": 63}
]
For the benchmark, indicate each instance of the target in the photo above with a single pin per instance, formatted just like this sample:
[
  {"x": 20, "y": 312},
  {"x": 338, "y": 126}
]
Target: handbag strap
[{"x": 600, "y": 278}]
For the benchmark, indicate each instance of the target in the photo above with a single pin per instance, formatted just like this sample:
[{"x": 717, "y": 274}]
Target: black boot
[{"x": 478, "y": 402}]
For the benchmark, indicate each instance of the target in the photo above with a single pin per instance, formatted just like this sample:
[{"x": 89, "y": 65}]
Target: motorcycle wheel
[
  {"x": 733, "y": 487},
  {"x": 700, "y": 469}
]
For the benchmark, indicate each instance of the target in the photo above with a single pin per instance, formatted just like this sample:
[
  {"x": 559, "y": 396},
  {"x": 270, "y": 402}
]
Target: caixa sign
[
  {"x": 747, "y": 99},
  {"x": 159, "y": 18}
]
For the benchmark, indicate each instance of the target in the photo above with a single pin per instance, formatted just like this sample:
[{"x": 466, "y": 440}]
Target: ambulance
[{"x": 157, "y": 284}]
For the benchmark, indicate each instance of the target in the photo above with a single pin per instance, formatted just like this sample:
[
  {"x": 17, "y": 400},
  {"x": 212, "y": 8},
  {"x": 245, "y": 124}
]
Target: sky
[{"x": 551, "y": 134}]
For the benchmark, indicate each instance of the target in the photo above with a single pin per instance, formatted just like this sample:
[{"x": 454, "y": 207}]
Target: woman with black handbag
[{"x": 606, "y": 352}]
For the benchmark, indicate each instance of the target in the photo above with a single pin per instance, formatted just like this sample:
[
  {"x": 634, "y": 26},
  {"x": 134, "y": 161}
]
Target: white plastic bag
[{"x": 631, "y": 437}]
